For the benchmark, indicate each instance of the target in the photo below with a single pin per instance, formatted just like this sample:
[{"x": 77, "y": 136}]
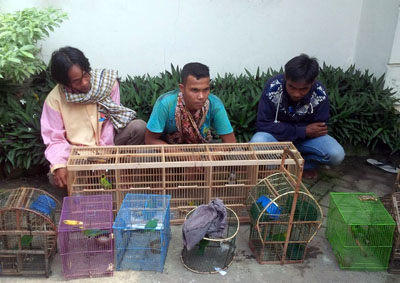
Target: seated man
[
  {"x": 186, "y": 115},
  {"x": 83, "y": 109},
  {"x": 294, "y": 107}
]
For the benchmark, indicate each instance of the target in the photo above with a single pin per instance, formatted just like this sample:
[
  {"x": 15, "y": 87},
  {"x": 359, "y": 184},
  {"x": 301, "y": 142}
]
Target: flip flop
[{"x": 384, "y": 165}]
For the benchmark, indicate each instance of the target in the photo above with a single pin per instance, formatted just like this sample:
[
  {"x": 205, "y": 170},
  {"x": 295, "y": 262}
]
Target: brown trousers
[{"x": 132, "y": 134}]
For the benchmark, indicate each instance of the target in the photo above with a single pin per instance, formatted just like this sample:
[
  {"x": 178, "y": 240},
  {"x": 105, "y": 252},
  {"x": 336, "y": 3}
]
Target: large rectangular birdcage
[
  {"x": 142, "y": 232},
  {"x": 360, "y": 231},
  {"x": 85, "y": 236},
  {"x": 191, "y": 174}
]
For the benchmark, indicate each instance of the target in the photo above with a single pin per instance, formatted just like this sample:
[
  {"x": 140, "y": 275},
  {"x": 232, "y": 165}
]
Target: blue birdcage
[{"x": 142, "y": 232}]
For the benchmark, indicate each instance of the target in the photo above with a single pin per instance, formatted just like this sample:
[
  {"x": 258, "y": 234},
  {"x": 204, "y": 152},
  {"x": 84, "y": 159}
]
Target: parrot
[
  {"x": 360, "y": 237},
  {"x": 105, "y": 182},
  {"x": 26, "y": 240},
  {"x": 94, "y": 232},
  {"x": 151, "y": 224},
  {"x": 202, "y": 247}
]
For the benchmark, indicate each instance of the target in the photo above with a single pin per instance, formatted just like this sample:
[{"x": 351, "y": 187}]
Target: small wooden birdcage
[
  {"x": 284, "y": 216},
  {"x": 191, "y": 174},
  {"x": 28, "y": 231}
]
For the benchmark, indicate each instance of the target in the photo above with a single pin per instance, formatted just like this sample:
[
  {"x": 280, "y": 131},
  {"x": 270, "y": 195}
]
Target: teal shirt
[{"x": 162, "y": 118}]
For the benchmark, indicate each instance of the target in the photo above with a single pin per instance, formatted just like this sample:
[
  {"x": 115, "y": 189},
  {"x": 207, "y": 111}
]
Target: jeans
[{"x": 321, "y": 150}]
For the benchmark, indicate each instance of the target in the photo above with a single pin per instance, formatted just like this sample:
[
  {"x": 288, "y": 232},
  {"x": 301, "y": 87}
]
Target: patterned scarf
[
  {"x": 188, "y": 125},
  {"x": 102, "y": 82}
]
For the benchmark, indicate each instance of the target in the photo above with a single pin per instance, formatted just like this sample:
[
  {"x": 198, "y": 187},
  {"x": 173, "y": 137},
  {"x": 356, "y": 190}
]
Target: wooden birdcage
[
  {"x": 396, "y": 187},
  {"x": 28, "y": 231},
  {"x": 191, "y": 174},
  {"x": 284, "y": 216},
  {"x": 392, "y": 205}
]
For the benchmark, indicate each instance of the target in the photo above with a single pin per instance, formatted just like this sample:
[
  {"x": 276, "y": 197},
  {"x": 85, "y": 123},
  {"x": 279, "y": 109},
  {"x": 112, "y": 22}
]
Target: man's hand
[
  {"x": 315, "y": 130},
  {"x": 60, "y": 177}
]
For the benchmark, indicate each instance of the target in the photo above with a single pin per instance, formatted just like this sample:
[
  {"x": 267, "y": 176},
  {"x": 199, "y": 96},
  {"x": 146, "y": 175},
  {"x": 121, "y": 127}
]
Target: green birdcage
[{"x": 360, "y": 231}]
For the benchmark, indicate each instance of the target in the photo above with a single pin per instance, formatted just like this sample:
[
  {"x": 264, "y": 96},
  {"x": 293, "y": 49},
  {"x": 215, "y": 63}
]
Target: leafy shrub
[
  {"x": 21, "y": 144},
  {"x": 362, "y": 109},
  {"x": 19, "y": 33}
]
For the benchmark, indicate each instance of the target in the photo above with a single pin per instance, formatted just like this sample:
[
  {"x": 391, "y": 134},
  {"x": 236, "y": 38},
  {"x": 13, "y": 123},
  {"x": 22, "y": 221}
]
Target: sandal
[{"x": 384, "y": 165}]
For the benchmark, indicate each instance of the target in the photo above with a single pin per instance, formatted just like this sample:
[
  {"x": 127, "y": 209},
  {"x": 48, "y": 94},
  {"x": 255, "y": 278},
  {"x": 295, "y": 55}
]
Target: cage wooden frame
[
  {"x": 21, "y": 216},
  {"x": 396, "y": 187},
  {"x": 191, "y": 174},
  {"x": 260, "y": 225},
  {"x": 392, "y": 204}
]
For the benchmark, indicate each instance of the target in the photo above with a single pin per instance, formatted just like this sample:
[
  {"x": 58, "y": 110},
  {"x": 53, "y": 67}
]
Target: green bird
[
  {"x": 202, "y": 247},
  {"x": 105, "y": 182},
  {"x": 359, "y": 233},
  {"x": 151, "y": 225},
  {"x": 94, "y": 233},
  {"x": 360, "y": 237}
]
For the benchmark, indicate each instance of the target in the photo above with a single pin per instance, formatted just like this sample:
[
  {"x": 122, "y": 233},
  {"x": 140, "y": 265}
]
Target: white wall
[
  {"x": 393, "y": 69},
  {"x": 138, "y": 37},
  {"x": 376, "y": 33}
]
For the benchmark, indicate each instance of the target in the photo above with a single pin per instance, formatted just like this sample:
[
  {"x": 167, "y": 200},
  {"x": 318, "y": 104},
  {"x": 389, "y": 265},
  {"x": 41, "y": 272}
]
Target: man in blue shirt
[
  {"x": 186, "y": 115},
  {"x": 294, "y": 107}
]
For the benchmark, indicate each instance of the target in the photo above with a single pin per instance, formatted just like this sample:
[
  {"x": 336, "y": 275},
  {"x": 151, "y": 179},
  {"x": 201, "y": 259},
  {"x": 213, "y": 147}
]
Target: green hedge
[{"x": 362, "y": 109}]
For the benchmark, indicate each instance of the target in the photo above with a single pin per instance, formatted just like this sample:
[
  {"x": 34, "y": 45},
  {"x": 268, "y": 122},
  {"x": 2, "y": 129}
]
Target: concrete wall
[
  {"x": 375, "y": 35},
  {"x": 138, "y": 37},
  {"x": 393, "y": 69}
]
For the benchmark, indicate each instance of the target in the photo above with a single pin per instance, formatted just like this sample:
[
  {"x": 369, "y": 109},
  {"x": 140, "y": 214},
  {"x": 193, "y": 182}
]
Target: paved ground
[{"x": 354, "y": 175}]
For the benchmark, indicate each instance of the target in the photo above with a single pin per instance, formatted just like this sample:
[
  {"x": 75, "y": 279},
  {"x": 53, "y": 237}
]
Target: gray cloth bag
[{"x": 207, "y": 219}]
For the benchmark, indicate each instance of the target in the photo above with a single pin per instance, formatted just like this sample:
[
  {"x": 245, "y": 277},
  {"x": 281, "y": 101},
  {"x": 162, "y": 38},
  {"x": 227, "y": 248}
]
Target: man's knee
[
  {"x": 132, "y": 134},
  {"x": 336, "y": 155},
  {"x": 137, "y": 126},
  {"x": 263, "y": 137}
]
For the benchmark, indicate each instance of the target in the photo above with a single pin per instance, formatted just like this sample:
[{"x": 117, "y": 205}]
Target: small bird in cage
[
  {"x": 232, "y": 179},
  {"x": 105, "y": 182},
  {"x": 202, "y": 247}
]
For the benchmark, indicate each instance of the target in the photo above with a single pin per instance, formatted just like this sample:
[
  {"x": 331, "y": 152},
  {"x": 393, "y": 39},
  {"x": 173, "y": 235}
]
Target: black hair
[
  {"x": 63, "y": 59},
  {"x": 196, "y": 70},
  {"x": 302, "y": 68}
]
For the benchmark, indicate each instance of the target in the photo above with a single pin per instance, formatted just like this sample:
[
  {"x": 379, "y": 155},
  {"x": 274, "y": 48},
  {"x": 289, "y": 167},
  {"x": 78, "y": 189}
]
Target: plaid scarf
[
  {"x": 102, "y": 82},
  {"x": 188, "y": 125}
]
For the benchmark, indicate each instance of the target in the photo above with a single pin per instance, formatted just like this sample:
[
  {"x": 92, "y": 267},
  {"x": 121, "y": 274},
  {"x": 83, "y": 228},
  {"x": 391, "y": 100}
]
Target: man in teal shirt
[{"x": 186, "y": 115}]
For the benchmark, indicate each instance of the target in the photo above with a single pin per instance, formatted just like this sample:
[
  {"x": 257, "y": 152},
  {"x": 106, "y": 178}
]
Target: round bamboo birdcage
[
  {"x": 212, "y": 255},
  {"x": 284, "y": 216},
  {"x": 28, "y": 231}
]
